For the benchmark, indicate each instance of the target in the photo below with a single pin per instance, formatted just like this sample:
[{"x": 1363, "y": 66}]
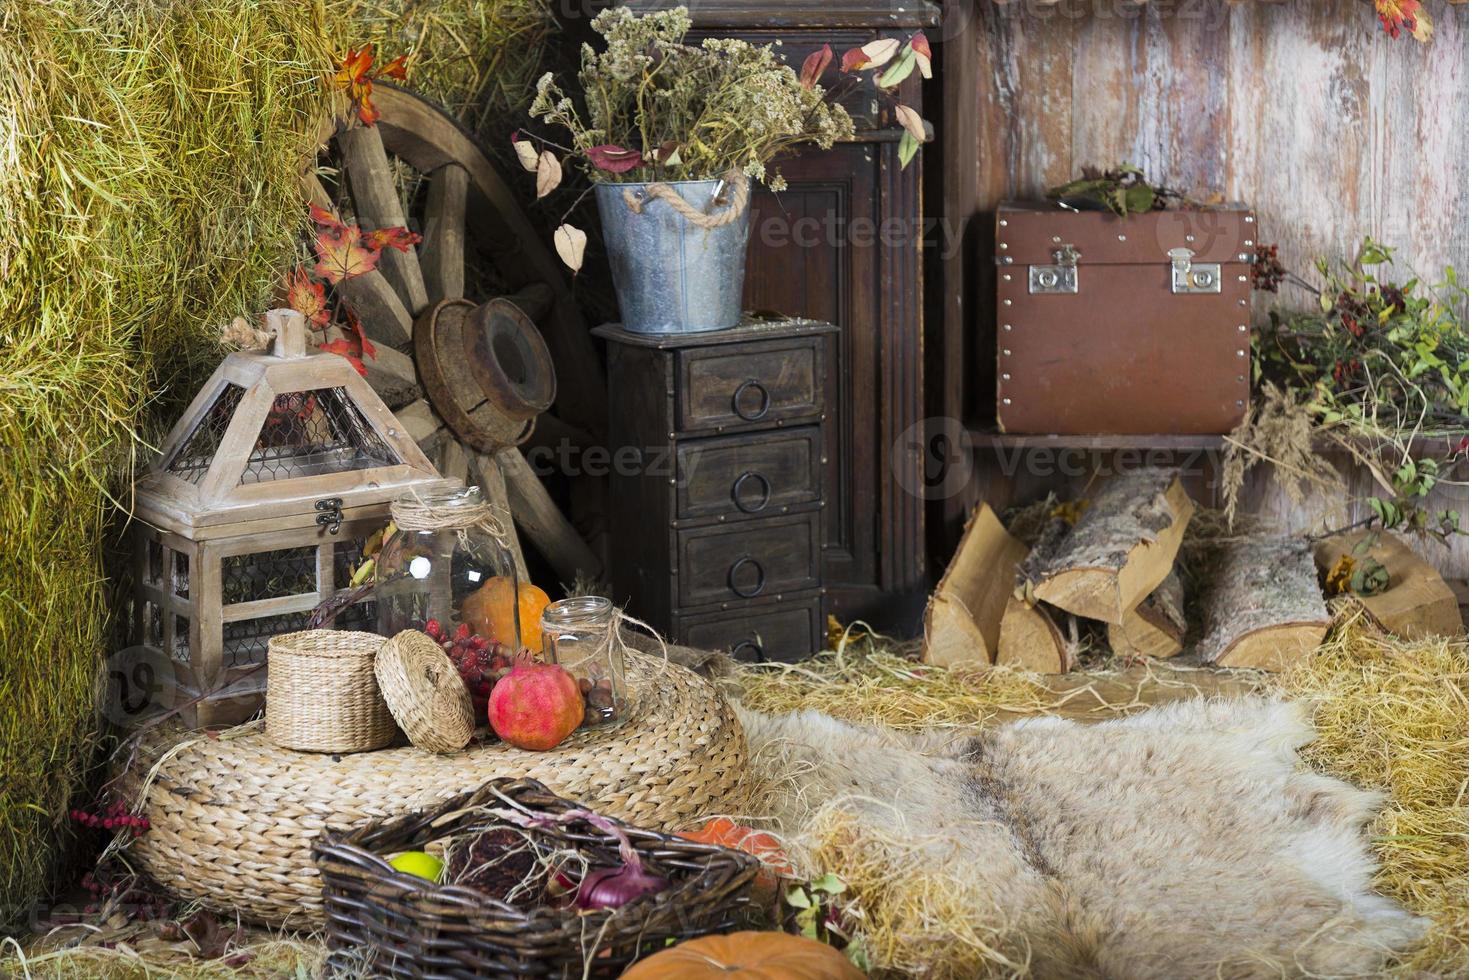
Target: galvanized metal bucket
[{"x": 678, "y": 267}]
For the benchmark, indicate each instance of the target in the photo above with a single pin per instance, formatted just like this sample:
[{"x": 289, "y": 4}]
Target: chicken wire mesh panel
[
  {"x": 267, "y": 575},
  {"x": 191, "y": 460},
  {"x": 309, "y": 433},
  {"x": 246, "y": 641}
]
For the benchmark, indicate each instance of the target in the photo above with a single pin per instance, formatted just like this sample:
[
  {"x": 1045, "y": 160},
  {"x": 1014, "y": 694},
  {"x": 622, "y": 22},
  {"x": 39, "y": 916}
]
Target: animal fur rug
[{"x": 1186, "y": 841}]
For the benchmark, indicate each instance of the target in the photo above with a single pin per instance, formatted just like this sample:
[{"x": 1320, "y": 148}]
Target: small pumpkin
[
  {"x": 746, "y": 956},
  {"x": 490, "y": 611}
]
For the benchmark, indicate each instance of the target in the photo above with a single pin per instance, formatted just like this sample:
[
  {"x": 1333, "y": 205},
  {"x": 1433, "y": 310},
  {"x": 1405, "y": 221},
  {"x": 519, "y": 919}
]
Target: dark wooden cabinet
[
  {"x": 719, "y": 483},
  {"x": 842, "y": 245}
]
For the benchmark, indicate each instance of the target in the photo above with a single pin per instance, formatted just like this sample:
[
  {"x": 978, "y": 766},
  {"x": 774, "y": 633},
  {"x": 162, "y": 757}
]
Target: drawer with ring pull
[
  {"x": 749, "y": 560},
  {"x": 766, "y": 384},
  {"x": 755, "y": 634},
  {"x": 757, "y": 474}
]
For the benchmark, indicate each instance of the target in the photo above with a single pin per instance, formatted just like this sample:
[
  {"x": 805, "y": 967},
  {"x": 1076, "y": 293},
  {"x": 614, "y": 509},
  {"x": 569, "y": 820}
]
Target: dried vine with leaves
[{"x": 1378, "y": 368}]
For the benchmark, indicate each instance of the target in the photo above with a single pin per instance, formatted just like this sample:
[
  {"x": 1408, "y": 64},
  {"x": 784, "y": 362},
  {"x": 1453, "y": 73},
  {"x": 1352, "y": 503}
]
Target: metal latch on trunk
[
  {"x": 1192, "y": 277},
  {"x": 1058, "y": 278}
]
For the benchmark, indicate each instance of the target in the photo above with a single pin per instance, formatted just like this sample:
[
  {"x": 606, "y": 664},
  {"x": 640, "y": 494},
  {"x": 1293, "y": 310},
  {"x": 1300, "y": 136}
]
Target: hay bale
[{"x": 150, "y": 155}]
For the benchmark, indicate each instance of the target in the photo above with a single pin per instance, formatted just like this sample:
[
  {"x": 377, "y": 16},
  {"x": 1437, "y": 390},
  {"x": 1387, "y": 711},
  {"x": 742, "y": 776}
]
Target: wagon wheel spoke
[
  {"x": 375, "y": 197},
  {"x": 467, "y": 393},
  {"x": 442, "y": 253}
]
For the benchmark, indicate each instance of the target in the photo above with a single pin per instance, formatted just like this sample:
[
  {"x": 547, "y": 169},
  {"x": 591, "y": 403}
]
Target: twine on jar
[
  {"x": 619, "y": 617},
  {"x": 740, "y": 197},
  {"x": 459, "y": 517}
]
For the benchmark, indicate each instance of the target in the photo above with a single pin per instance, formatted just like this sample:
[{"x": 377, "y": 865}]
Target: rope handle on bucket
[{"x": 739, "y": 198}]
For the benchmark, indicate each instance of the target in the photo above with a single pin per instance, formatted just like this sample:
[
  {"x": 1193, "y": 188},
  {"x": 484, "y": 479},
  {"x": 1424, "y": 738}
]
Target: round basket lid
[{"x": 424, "y": 693}]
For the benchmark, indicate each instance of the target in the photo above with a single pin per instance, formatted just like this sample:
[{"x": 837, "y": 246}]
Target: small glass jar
[
  {"x": 580, "y": 635},
  {"x": 445, "y": 571}
]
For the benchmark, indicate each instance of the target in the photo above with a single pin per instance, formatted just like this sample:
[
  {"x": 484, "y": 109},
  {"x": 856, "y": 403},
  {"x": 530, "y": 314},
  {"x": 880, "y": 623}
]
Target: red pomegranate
[{"x": 535, "y": 706}]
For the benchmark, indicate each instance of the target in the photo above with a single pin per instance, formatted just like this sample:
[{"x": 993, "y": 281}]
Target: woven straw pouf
[{"x": 232, "y": 818}]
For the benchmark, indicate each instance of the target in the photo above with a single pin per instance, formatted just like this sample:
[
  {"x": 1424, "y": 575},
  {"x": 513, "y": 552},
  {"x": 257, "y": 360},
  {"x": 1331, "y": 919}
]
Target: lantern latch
[{"x": 330, "y": 516}]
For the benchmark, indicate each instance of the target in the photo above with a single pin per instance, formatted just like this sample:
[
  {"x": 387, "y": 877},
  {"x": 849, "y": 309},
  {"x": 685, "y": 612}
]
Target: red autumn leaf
[
  {"x": 614, "y": 159},
  {"x": 355, "y": 76},
  {"x": 854, "y": 60},
  {"x": 815, "y": 66},
  {"x": 343, "y": 255},
  {"x": 354, "y": 330},
  {"x": 344, "y": 347},
  {"x": 326, "y": 219},
  {"x": 353, "y": 344},
  {"x": 307, "y": 297},
  {"x": 919, "y": 43},
  {"x": 400, "y": 238},
  {"x": 396, "y": 69}
]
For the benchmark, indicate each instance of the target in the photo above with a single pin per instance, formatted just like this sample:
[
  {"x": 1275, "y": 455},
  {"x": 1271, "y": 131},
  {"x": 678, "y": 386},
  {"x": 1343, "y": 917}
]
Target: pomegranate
[{"x": 535, "y": 706}]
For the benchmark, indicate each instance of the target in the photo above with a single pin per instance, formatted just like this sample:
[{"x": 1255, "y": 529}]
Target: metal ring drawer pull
[
  {"x": 734, "y": 492},
  {"x": 734, "y": 570},
  {"x": 751, "y": 643},
  {"x": 751, "y": 385}
]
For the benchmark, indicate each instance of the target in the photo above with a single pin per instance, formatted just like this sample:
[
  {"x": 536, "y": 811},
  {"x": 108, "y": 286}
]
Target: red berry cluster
[
  {"x": 115, "y": 817},
  {"x": 480, "y": 663}
]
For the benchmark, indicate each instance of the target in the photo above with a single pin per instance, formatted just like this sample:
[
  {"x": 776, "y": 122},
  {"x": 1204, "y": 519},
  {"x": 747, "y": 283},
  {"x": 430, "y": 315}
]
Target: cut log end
[
  {"x": 1263, "y": 607},
  {"x": 1273, "y": 648},
  {"x": 1155, "y": 629},
  {"x": 962, "y": 622},
  {"x": 1030, "y": 639}
]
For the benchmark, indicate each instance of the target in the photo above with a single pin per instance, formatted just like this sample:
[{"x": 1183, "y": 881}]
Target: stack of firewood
[{"x": 1115, "y": 564}]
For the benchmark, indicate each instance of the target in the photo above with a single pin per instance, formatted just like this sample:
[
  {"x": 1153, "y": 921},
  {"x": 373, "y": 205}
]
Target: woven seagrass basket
[
  {"x": 321, "y": 694},
  {"x": 389, "y": 923}
]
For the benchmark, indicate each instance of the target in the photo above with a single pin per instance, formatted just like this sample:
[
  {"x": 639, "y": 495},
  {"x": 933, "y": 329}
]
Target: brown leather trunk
[{"x": 1112, "y": 326}]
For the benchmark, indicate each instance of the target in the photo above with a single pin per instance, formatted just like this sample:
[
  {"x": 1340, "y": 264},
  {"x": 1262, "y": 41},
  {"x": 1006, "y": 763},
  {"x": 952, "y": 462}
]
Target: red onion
[
  {"x": 605, "y": 888},
  {"x": 610, "y": 888}
]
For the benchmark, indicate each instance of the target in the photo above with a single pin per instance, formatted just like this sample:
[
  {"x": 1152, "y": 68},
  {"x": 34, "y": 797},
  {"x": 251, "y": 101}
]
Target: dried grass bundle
[{"x": 149, "y": 166}]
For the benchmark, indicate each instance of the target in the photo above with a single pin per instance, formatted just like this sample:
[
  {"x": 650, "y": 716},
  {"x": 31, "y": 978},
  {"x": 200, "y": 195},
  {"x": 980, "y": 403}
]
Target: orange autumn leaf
[
  {"x": 343, "y": 255},
  {"x": 307, "y": 297},
  {"x": 355, "y": 76},
  {"x": 400, "y": 238},
  {"x": 353, "y": 344}
]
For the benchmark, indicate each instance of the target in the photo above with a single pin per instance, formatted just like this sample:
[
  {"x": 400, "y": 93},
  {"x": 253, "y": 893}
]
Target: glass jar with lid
[
  {"x": 444, "y": 569},
  {"x": 580, "y": 635}
]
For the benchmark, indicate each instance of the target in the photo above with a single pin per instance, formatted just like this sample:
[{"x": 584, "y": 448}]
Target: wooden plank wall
[{"x": 1305, "y": 109}]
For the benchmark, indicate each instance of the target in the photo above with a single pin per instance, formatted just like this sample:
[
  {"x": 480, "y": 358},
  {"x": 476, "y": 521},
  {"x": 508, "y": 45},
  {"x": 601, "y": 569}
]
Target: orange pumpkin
[
  {"x": 727, "y": 833},
  {"x": 490, "y": 611},
  {"x": 746, "y": 956}
]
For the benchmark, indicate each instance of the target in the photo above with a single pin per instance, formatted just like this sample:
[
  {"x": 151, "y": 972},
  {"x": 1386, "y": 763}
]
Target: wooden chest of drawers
[{"x": 719, "y": 473}]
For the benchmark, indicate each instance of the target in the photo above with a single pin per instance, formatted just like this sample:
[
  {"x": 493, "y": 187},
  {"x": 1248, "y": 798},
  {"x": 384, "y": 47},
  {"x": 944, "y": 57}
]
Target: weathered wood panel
[{"x": 1304, "y": 109}]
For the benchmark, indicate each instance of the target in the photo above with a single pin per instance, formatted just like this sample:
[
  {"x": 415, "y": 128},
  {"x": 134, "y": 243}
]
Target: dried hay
[
  {"x": 262, "y": 956},
  {"x": 150, "y": 156},
  {"x": 1393, "y": 715}
]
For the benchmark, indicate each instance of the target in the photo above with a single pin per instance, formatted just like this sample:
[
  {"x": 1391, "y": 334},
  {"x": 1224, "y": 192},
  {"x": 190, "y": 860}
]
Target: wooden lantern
[{"x": 256, "y": 511}]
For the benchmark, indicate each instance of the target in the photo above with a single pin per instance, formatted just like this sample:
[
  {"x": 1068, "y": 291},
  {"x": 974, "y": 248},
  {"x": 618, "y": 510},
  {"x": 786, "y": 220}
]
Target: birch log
[
  {"x": 1156, "y": 627},
  {"x": 962, "y": 621},
  {"x": 1121, "y": 549},
  {"x": 1417, "y": 602},
  {"x": 1030, "y": 638},
  {"x": 1263, "y": 607}
]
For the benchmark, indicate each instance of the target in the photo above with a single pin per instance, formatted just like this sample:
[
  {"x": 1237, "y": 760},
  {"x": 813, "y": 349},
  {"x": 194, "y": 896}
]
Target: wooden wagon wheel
[{"x": 467, "y": 375}]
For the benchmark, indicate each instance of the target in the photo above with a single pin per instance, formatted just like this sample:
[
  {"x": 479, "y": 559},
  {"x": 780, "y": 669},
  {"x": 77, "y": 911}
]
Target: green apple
[{"x": 417, "y": 863}]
